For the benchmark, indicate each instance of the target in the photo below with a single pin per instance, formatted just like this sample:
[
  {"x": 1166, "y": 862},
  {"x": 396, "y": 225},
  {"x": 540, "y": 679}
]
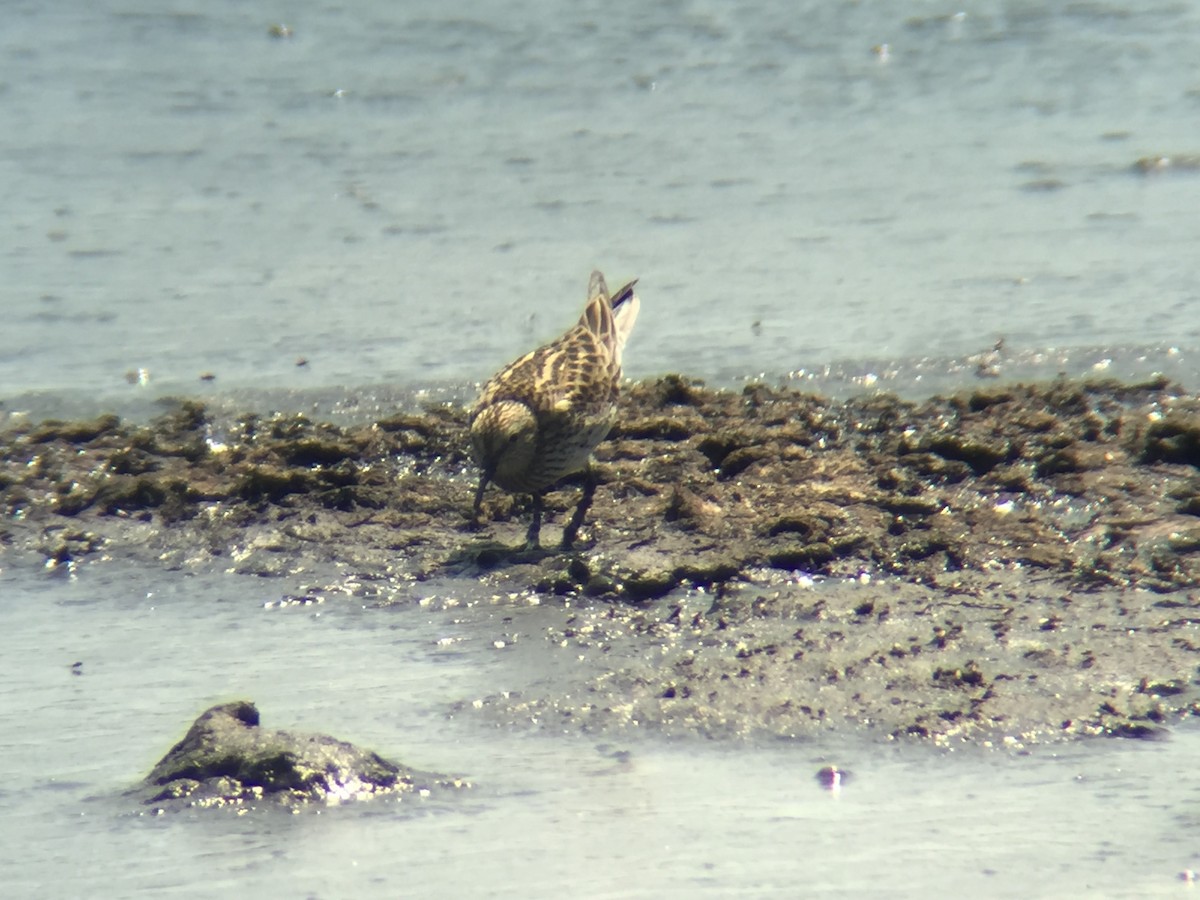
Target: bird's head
[{"x": 503, "y": 440}]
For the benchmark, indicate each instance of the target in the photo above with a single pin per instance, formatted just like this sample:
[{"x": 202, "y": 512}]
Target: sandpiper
[{"x": 539, "y": 419}]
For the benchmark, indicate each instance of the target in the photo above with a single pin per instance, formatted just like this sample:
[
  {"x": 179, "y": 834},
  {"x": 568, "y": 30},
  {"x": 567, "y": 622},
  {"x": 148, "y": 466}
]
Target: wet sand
[{"x": 1015, "y": 564}]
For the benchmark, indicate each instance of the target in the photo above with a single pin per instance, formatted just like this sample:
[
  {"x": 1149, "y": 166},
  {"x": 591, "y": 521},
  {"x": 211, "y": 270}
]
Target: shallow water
[
  {"x": 404, "y": 200},
  {"x": 618, "y": 815},
  {"x": 410, "y": 198}
]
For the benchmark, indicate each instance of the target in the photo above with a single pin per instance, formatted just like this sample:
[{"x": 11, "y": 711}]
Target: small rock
[{"x": 227, "y": 760}]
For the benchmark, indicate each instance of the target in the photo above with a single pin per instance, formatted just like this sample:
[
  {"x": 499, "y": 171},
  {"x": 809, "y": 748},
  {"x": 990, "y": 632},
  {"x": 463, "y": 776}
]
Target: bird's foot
[{"x": 568, "y": 539}]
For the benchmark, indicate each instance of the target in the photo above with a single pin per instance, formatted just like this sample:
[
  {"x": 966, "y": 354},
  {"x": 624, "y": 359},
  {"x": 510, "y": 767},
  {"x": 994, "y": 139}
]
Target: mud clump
[
  {"x": 226, "y": 760},
  {"x": 1016, "y": 542}
]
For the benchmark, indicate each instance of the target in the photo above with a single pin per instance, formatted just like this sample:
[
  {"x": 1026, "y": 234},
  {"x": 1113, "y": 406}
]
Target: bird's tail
[{"x": 610, "y": 317}]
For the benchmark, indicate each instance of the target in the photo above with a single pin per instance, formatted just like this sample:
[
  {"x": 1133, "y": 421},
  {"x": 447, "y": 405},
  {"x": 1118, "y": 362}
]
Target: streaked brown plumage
[{"x": 539, "y": 419}]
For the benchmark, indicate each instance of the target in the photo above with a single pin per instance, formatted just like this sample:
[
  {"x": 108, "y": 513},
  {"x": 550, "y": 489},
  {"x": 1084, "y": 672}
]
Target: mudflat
[{"x": 1012, "y": 564}]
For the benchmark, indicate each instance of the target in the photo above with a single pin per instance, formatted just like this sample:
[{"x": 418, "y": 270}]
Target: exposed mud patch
[{"x": 1018, "y": 562}]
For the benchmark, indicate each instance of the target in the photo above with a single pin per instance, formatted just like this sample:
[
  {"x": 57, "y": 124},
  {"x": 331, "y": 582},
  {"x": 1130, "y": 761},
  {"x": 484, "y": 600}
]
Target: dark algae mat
[{"x": 1011, "y": 563}]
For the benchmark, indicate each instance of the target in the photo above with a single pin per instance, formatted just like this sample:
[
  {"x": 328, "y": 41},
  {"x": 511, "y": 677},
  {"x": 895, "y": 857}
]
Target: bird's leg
[
  {"x": 484, "y": 478},
  {"x": 585, "y": 503},
  {"x": 535, "y": 526}
]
